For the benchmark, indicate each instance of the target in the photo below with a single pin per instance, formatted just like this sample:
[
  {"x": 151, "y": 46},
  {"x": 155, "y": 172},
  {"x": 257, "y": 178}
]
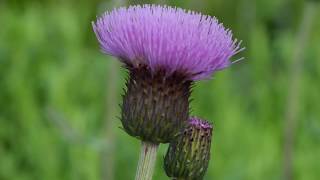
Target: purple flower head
[
  {"x": 163, "y": 37},
  {"x": 200, "y": 123}
]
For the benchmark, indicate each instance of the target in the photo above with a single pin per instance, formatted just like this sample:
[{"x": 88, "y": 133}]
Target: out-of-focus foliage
[{"x": 55, "y": 86}]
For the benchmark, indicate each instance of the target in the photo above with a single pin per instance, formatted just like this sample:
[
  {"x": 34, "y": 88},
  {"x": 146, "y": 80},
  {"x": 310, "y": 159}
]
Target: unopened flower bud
[{"x": 189, "y": 154}]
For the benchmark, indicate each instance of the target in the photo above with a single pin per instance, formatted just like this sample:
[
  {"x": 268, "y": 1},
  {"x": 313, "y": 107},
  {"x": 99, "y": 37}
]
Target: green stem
[
  {"x": 295, "y": 84},
  {"x": 147, "y": 160}
]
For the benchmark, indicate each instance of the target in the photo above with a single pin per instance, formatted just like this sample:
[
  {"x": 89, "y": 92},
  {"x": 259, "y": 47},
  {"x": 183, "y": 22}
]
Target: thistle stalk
[{"x": 147, "y": 160}]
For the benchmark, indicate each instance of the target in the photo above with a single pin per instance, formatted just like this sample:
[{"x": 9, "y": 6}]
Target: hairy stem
[{"x": 147, "y": 160}]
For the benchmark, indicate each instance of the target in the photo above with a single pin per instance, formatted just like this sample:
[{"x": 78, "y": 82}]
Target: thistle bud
[{"x": 189, "y": 154}]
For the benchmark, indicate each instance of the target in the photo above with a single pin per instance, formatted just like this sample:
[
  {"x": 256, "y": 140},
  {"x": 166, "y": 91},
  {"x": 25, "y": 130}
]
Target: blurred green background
[{"x": 60, "y": 96}]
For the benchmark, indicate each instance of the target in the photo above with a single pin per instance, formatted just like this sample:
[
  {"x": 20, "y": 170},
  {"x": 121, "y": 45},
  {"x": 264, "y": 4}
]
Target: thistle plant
[
  {"x": 188, "y": 154},
  {"x": 165, "y": 50}
]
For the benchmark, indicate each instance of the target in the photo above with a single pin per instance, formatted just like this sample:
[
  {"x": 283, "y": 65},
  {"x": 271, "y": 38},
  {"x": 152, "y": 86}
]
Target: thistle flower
[
  {"x": 165, "y": 50},
  {"x": 188, "y": 155}
]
